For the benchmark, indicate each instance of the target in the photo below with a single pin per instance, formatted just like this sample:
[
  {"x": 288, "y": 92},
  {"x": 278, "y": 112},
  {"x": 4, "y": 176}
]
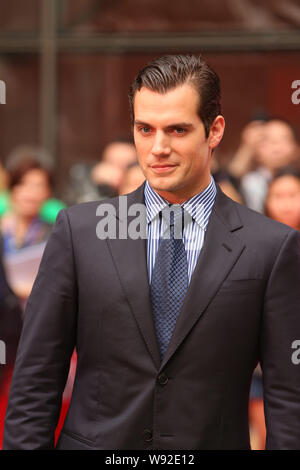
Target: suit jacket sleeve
[
  {"x": 45, "y": 348},
  {"x": 280, "y": 328}
]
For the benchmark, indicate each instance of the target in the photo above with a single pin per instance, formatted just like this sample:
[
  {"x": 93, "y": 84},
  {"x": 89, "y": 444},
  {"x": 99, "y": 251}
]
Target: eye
[
  {"x": 144, "y": 130},
  {"x": 179, "y": 130}
]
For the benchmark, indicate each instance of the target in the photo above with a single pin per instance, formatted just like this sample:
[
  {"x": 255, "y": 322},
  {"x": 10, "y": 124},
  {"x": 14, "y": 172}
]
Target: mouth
[{"x": 162, "y": 168}]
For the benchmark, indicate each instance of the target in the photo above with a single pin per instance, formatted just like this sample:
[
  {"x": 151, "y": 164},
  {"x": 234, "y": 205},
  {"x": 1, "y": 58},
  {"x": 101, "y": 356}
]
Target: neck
[
  {"x": 180, "y": 197},
  {"x": 22, "y": 219},
  {"x": 22, "y": 224}
]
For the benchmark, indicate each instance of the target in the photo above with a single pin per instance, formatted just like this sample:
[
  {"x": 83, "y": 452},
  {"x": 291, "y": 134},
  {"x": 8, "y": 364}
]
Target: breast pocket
[
  {"x": 238, "y": 306},
  {"x": 242, "y": 286}
]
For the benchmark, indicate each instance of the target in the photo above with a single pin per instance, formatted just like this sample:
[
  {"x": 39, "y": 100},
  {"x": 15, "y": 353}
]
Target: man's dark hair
[{"x": 167, "y": 72}]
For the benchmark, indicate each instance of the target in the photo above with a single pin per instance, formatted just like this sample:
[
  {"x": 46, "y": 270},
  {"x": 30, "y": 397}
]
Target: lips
[{"x": 162, "y": 168}]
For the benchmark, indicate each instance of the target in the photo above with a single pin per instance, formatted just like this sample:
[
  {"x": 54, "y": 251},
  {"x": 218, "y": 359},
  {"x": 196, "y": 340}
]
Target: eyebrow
[{"x": 170, "y": 126}]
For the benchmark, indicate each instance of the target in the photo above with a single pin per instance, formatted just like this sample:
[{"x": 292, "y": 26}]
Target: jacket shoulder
[{"x": 256, "y": 230}]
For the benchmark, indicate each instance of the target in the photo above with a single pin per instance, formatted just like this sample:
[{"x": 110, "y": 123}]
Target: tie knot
[{"x": 173, "y": 217}]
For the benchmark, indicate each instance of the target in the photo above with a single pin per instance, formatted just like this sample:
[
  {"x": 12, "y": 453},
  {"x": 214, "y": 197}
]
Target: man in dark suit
[{"x": 167, "y": 334}]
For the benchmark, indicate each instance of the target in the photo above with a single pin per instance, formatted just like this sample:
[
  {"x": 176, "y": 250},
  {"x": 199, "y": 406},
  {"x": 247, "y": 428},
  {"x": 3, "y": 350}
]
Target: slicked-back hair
[{"x": 170, "y": 71}]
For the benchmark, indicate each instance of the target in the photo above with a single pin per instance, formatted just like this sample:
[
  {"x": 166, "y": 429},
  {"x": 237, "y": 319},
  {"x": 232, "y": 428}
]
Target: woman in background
[
  {"x": 30, "y": 185},
  {"x": 277, "y": 147},
  {"x": 283, "y": 198}
]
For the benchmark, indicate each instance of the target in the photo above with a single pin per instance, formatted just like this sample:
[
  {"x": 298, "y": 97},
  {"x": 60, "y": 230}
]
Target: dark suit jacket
[{"x": 242, "y": 306}]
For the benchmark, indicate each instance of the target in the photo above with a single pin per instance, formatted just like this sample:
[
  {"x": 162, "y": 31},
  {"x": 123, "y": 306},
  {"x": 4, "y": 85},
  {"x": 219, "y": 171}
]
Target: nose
[{"x": 161, "y": 146}]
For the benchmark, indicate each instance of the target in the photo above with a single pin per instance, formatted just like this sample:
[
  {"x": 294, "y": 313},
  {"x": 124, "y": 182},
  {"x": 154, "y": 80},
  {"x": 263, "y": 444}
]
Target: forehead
[
  {"x": 286, "y": 182},
  {"x": 35, "y": 175},
  {"x": 278, "y": 129},
  {"x": 180, "y": 103},
  {"x": 118, "y": 148}
]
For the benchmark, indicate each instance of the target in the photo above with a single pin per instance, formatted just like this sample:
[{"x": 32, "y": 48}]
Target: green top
[{"x": 48, "y": 211}]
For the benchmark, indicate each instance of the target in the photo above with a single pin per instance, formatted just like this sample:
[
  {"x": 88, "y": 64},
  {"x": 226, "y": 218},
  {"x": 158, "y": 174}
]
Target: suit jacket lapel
[
  {"x": 130, "y": 258},
  {"x": 220, "y": 251}
]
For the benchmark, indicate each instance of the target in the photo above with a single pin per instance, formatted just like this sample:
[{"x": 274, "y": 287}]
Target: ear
[{"x": 216, "y": 132}]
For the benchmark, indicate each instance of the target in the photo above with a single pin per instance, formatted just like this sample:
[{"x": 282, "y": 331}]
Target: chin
[
  {"x": 160, "y": 185},
  {"x": 29, "y": 213},
  {"x": 163, "y": 189}
]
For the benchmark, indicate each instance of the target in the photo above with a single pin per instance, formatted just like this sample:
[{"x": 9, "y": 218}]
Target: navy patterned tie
[{"x": 169, "y": 281}]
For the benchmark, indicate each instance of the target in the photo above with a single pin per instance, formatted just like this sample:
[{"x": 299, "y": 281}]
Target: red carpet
[{"x": 65, "y": 405}]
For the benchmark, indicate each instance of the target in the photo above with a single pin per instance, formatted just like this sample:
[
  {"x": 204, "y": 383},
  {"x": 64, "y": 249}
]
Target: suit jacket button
[
  {"x": 147, "y": 435},
  {"x": 162, "y": 379}
]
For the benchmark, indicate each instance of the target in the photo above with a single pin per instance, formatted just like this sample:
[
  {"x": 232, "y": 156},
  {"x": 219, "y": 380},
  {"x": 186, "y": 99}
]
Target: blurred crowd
[{"x": 263, "y": 173}]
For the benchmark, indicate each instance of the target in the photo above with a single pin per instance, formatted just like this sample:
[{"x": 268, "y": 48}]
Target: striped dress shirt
[{"x": 198, "y": 208}]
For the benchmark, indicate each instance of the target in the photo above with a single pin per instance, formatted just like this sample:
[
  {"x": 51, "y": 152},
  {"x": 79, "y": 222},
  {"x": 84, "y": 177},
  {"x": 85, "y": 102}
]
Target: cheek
[
  {"x": 281, "y": 211},
  {"x": 18, "y": 195},
  {"x": 139, "y": 145},
  {"x": 143, "y": 150},
  {"x": 200, "y": 158},
  {"x": 272, "y": 208},
  {"x": 294, "y": 208},
  {"x": 141, "y": 157},
  {"x": 43, "y": 194}
]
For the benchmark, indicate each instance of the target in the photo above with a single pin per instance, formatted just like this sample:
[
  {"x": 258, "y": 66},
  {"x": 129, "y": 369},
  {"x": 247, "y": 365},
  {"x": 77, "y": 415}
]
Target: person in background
[
  {"x": 133, "y": 178},
  {"x": 50, "y": 208},
  {"x": 278, "y": 147},
  {"x": 225, "y": 180},
  {"x": 103, "y": 180},
  {"x": 28, "y": 212},
  {"x": 108, "y": 174},
  {"x": 30, "y": 185},
  {"x": 17, "y": 200},
  {"x": 283, "y": 197},
  {"x": 244, "y": 159}
]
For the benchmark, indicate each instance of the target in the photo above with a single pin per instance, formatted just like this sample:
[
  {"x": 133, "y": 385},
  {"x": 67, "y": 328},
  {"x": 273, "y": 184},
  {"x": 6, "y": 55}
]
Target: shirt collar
[{"x": 199, "y": 206}]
